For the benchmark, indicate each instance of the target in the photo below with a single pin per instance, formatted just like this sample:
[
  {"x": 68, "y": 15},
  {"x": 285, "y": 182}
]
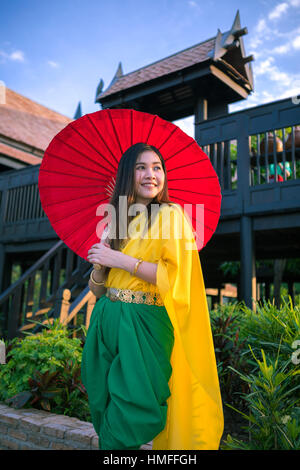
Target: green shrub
[
  {"x": 274, "y": 413},
  {"x": 43, "y": 370},
  {"x": 265, "y": 392},
  {"x": 270, "y": 328},
  {"x": 229, "y": 350}
]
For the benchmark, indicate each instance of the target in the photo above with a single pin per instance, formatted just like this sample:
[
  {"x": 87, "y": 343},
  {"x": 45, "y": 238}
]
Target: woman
[{"x": 148, "y": 363}]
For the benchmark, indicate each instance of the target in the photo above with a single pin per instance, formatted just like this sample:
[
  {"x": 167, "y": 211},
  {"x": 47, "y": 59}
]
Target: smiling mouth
[{"x": 149, "y": 185}]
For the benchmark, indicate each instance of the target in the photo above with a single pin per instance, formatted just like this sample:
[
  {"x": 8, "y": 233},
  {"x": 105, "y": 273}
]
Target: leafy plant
[
  {"x": 39, "y": 372},
  {"x": 270, "y": 327},
  {"x": 229, "y": 350},
  {"x": 43, "y": 388},
  {"x": 274, "y": 418}
]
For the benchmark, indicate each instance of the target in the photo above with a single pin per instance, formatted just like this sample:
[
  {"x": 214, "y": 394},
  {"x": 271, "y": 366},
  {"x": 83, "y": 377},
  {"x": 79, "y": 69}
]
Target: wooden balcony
[{"x": 260, "y": 218}]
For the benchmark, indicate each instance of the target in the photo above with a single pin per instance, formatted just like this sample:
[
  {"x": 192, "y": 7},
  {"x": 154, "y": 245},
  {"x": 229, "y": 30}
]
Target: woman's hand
[{"x": 101, "y": 253}]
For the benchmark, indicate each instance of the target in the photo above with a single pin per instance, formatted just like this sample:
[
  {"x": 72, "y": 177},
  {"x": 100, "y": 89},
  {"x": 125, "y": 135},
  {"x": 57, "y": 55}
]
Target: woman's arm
[
  {"x": 103, "y": 254},
  {"x": 145, "y": 271},
  {"x": 97, "y": 290}
]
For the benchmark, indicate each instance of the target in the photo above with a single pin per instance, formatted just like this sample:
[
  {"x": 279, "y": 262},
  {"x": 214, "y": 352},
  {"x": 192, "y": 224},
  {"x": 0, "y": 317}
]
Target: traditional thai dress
[{"x": 148, "y": 363}]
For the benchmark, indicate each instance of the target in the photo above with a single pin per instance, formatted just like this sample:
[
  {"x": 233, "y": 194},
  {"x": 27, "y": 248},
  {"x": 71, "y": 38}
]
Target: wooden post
[
  {"x": 90, "y": 305},
  {"x": 65, "y": 304},
  {"x": 200, "y": 115},
  {"x": 248, "y": 271}
]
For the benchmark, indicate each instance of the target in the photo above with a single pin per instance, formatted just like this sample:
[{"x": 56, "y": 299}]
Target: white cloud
[
  {"x": 296, "y": 43},
  {"x": 53, "y": 64},
  {"x": 283, "y": 49},
  {"x": 289, "y": 47},
  {"x": 187, "y": 125},
  {"x": 261, "y": 26},
  {"x": 269, "y": 70},
  {"x": 278, "y": 11},
  {"x": 15, "y": 56}
]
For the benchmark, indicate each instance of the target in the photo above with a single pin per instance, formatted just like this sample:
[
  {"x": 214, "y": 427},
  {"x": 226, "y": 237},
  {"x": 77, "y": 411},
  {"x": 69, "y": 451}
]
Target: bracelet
[
  {"x": 136, "y": 266},
  {"x": 94, "y": 282}
]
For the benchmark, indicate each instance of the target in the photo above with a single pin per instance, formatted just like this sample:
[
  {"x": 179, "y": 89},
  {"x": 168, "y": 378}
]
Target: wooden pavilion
[{"x": 260, "y": 216}]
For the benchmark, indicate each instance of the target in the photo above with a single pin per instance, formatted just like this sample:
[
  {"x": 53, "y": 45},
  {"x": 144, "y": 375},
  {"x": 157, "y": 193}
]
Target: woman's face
[{"x": 149, "y": 176}]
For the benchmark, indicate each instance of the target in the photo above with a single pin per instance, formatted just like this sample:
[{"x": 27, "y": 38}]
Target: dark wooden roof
[
  {"x": 179, "y": 61},
  {"x": 217, "y": 67}
]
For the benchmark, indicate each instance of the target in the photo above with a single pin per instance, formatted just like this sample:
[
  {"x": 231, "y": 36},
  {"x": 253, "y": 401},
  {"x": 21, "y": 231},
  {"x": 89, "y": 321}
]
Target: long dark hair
[{"x": 125, "y": 186}]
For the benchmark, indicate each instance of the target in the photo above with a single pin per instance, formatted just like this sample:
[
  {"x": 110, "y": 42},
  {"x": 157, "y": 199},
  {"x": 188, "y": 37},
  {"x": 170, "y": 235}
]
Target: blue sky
[{"x": 56, "y": 51}]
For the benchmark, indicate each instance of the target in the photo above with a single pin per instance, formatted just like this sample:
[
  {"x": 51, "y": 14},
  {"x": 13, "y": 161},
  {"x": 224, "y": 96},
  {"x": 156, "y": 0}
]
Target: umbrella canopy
[{"x": 79, "y": 168}]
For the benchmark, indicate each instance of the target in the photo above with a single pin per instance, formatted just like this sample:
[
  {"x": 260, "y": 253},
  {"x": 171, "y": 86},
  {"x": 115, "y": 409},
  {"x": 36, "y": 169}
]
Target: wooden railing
[
  {"x": 262, "y": 153},
  {"x": 38, "y": 292},
  {"x": 234, "y": 144},
  {"x": 84, "y": 303}
]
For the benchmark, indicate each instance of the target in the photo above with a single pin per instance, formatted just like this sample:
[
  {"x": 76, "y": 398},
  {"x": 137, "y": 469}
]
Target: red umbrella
[{"x": 79, "y": 167}]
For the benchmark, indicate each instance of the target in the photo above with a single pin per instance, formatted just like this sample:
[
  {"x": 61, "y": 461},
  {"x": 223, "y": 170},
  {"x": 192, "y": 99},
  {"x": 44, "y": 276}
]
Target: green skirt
[{"x": 125, "y": 370}]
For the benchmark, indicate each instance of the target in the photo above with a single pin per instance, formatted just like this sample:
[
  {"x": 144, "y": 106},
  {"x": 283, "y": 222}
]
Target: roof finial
[
  {"x": 118, "y": 74},
  {"x": 119, "y": 71},
  {"x": 236, "y": 23},
  {"x": 219, "y": 50},
  {"x": 99, "y": 90},
  {"x": 78, "y": 112}
]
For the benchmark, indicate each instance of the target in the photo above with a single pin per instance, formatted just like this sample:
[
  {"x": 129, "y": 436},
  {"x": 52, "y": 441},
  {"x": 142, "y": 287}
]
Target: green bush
[
  {"x": 230, "y": 351},
  {"x": 43, "y": 370},
  {"x": 271, "y": 328},
  {"x": 274, "y": 418},
  {"x": 265, "y": 392}
]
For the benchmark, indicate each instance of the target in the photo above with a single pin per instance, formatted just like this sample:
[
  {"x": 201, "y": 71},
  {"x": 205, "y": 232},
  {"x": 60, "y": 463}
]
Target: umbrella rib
[
  {"x": 68, "y": 174},
  {"x": 115, "y": 131},
  {"x": 200, "y": 222},
  {"x": 85, "y": 241},
  {"x": 78, "y": 151},
  {"x": 131, "y": 126},
  {"x": 76, "y": 212},
  {"x": 73, "y": 199},
  {"x": 187, "y": 164},
  {"x": 74, "y": 187},
  {"x": 206, "y": 208},
  {"x": 195, "y": 192},
  {"x": 97, "y": 131},
  {"x": 196, "y": 178},
  {"x": 93, "y": 147},
  {"x": 206, "y": 226},
  {"x": 76, "y": 164},
  {"x": 71, "y": 233},
  {"x": 166, "y": 140},
  {"x": 152, "y": 124},
  {"x": 181, "y": 150}
]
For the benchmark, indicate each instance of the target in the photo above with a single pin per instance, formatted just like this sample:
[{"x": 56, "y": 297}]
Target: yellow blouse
[{"x": 195, "y": 415}]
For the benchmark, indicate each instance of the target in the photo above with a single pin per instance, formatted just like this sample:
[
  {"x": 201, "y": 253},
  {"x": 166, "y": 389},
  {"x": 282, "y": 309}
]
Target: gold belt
[{"x": 134, "y": 296}]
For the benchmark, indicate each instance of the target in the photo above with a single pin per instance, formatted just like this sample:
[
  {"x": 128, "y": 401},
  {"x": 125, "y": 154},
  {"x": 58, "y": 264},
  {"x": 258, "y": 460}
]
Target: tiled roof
[
  {"x": 174, "y": 63},
  {"x": 28, "y": 122},
  {"x": 19, "y": 155}
]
